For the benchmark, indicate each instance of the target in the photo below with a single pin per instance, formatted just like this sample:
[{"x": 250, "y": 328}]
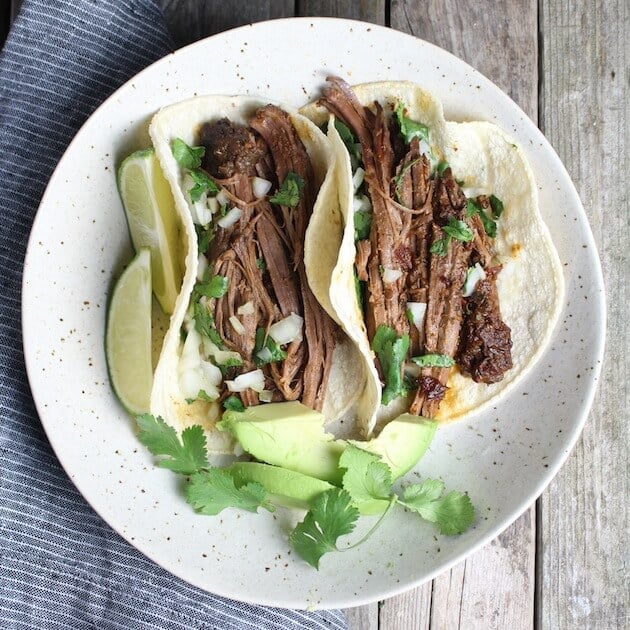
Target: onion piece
[
  {"x": 391, "y": 275},
  {"x": 473, "y": 275},
  {"x": 287, "y": 330},
  {"x": 361, "y": 203},
  {"x": 260, "y": 187},
  {"x": 246, "y": 309},
  {"x": 213, "y": 205},
  {"x": 357, "y": 178},
  {"x": 202, "y": 265},
  {"x": 417, "y": 310},
  {"x": 250, "y": 380},
  {"x": 232, "y": 216},
  {"x": 265, "y": 355},
  {"x": 222, "y": 198},
  {"x": 236, "y": 324},
  {"x": 265, "y": 396}
]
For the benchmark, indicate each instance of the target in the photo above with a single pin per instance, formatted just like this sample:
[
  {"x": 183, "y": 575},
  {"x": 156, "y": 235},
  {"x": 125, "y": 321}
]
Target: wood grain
[
  {"x": 190, "y": 20},
  {"x": 585, "y": 108},
  {"x": 367, "y": 10},
  {"x": 495, "y": 587}
]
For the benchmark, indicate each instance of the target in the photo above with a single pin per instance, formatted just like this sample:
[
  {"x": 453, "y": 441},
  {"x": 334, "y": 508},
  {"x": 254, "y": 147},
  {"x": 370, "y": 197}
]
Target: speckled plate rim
[{"x": 32, "y": 329}]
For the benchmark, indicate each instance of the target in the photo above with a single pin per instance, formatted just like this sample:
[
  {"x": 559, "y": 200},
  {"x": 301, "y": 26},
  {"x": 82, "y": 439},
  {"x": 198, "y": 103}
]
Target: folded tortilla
[
  {"x": 183, "y": 120},
  {"x": 530, "y": 284}
]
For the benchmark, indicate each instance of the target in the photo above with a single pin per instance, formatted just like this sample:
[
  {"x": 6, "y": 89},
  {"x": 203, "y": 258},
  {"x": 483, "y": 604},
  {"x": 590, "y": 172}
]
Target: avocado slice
[
  {"x": 401, "y": 443},
  {"x": 289, "y": 435},
  {"x": 289, "y": 488}
]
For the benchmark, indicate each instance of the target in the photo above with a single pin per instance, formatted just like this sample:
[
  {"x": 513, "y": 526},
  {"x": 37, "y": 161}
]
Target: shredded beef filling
[
  {"x": 410, "y": 207},
  {"x": 262, "y": 254}
]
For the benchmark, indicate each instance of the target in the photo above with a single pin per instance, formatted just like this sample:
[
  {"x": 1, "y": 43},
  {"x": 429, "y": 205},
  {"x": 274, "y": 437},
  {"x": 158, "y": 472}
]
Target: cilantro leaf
[
  {"x": 233, "y": 403},
  {"x": 490, "y": 226},
  {"x": 332, "y": 515},
  {"x": 289, "y": 193},
  {"x": 203, "y": 184},
  {"x": 186, "y": 156},
  {"x": 212, "y": 287},
  {"x": 458, "y": 230},
  {"x": 410, "y": 129},
  {"x": 261, "y": 264},
  {"x": 442, "y": 166},
  {"x": 440, "y": 247},
  {"x": 264, "y": 341},
  {"x": 354, "y": 149},
  {"x": 391, "y": 351},
  {"x": 186, "y": 456},
  {"x": 453, "y": 513},
  {"x": 204, "y": 324},
  {"x": 367, "y": 478},
  {"x": 497, "y": 206},
  {"x": 434, "y": 360},
  {"x": 362, "y": 224},
  {"x": 204, "y": 237},
  {"x": 201, "y": 396},
  {"x": 213, "y": 490}
]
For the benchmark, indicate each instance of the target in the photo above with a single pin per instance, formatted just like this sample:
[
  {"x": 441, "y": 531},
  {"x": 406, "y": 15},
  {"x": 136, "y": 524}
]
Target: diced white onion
[
  {"x": 265, "y": 396},
  {"x": 287, "y": 330},
  {"x": 265, "y": 355},
  {"x": 417, "y": 310},
  {"x": 250, "y": 380},
  {"x": 236, "y": 324},
  {"x": 190, "y": 357},
  {"x": 202, "y": 265},
  {"x": 473, "y": 276},
  {"x": 213, "y": 205},
  {"x": 357, "y": 178},
  {"x": 246, "y": 309},
  {"x": 361, "y": 203},
  {"x": 221, "y": 357},
  {"x": 212, "y": 374},
  {"x": 473, "y": 193},
  {"x": 391, "y": 275},
  {"x": 222, "y": 198},
  {"x": 260, "y": 187},
  {"x": 230, "y": 218},
  {"x": 204, "y": 215}
]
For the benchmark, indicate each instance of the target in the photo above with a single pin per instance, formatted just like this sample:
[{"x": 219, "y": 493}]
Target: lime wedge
[
  {"x": 152, "y": 219},
  {"x": 128, "y": 336}
]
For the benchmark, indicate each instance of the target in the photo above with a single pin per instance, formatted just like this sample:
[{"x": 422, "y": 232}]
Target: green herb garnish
[
  {"x": 434, "y": 360},
  {"x": 204, "y": 324},
  {"x": 490, "y": 226},
  {"x": 204, "y": 237},
  {"x": 289, "y": 192},
  {"x": 233, "y": 403},
  {"x": 391, "y": 351},
  {"x": 458, "y": 230},
  {"x": 263, "y": 340},
  {"x": 410, "y": 129},
  {"x": 211, "y": 286},
  {"x": 203, "y": 184},
  {"x": 354, "y": 149},
  {"x": 362, "y": 224},
  {"x": 189, "y": 158},
  {"x": 497, "y": 206}
]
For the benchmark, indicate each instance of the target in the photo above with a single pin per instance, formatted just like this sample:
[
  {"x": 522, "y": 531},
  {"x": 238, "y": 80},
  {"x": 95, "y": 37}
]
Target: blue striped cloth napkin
[{"x": 61, "y": 566}]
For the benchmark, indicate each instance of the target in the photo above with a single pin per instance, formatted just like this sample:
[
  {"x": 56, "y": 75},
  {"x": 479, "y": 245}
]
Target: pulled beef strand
[
  {"x": 447, "y": 274},
  {"x": 313, "y": 360},
  {"x": 386, "y": 302},
  {"x": 235, "y": 154},
  {"x": 485, "y": 345}
]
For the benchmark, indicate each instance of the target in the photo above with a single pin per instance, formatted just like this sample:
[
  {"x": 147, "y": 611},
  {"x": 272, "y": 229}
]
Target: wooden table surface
[{"x": 563, "y": 564}]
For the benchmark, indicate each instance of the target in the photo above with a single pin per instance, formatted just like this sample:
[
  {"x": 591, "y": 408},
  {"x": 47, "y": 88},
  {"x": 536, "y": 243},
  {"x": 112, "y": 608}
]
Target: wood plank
[
  {"x": 190, "y": 20},
  {"x": 495, "y": 587},
  {"x": 362, "y": 617},
  {"x": 585, "y": 110},
  {"x": 367, "y": 10}
]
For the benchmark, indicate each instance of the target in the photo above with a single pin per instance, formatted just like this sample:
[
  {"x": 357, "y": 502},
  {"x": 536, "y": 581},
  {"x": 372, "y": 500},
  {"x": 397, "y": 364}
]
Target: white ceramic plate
[{"x": 504, "y": 457}]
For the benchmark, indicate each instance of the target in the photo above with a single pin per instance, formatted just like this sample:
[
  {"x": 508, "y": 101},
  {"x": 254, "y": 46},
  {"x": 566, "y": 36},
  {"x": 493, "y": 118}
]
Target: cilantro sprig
[
  {"x": 289, "y": 193},
  {"x": 367, "y": 488},
  {"x": 454, "y": 229},
  {"x": 410, "y": 129},
  {"x": 391, "y": 351},
  {"x": 434, "y": 360},
  {"x": 189, "y": 160}
]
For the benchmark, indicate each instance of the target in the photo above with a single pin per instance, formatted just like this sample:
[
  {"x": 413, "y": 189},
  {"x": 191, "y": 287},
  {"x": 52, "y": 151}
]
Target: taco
[
  {"x": 446, "y": 276},
  {"x": 246, "y": 177}
]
